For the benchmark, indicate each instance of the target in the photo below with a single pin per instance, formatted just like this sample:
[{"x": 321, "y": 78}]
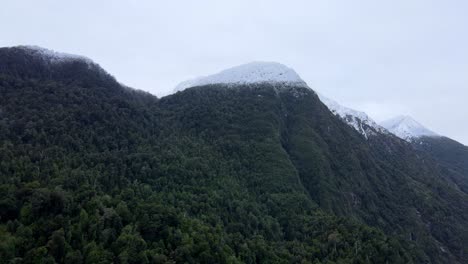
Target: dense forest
[
  {"x": 450, "y": 155},
  {"x": 94, "y": 172}
]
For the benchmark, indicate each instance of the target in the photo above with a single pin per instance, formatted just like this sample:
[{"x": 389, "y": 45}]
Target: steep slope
[
  {"x": 450, "y": 155},
  {"x": 92, "y": 172},
  {"x": 381, "y": 181},
  {"x": 230, "y": 172},
  {"x": 360, "y": 121},
  {"x": 447, "y": 151}
]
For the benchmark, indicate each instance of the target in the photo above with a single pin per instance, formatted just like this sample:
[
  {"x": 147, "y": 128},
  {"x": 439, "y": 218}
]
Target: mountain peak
[
  {"x": 250, "y": 73},
  {"x": 407, "y": 128}
]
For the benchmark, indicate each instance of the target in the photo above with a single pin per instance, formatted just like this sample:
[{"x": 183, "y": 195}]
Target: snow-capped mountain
[
  {"x": 407, "y": 128},
  {"x": 281, "y": 75},
  {"x": 250, "y": 73},
  {"x": 360, "y": 121}
]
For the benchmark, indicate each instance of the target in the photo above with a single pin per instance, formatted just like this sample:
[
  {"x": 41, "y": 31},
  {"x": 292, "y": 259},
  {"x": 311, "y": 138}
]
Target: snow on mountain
[
  {"x": 250, "y": 73},
  {"x": 407, "y": 128},
  {"x": 54, "y": 56},
  {"x": 360, "y": 121}
]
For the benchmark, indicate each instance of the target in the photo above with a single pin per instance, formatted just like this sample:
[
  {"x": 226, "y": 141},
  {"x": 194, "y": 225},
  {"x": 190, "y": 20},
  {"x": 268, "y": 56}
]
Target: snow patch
[
  {"x": 405, "y": 127},
  {"x": 360, "y": 121},
  {"x": 54, "y": 56},
  {"x": 250, "y": 73}
]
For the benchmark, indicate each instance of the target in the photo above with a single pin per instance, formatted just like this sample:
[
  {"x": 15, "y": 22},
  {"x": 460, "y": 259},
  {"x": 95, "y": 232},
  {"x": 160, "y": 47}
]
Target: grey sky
[{"x": 383, "y": 57}]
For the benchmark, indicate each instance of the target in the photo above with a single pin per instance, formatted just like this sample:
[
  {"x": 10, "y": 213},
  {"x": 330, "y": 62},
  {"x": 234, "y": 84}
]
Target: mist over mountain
[{"x": 244, "y": 166}]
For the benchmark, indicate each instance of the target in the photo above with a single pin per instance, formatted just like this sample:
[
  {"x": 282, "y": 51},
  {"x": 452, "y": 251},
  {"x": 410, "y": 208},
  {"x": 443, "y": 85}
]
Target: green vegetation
[
  {"x": 92, "y": 172},
  {"x": 96, "y": 175},
  {"x": 450, "y": 155}
]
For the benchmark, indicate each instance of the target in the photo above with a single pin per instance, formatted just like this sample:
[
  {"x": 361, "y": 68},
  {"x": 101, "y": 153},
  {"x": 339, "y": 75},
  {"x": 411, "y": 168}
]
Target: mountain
[
  {"x": 40, "y": 63},
  {"x": 356, "y": 119},
  {"x": 451, "y": 155},
  {"x": 385, "y": 155},
  {"x": 405, "y": 127},
  {"x": 272, "y": 73},
  {"x": 249, "y": 170}
]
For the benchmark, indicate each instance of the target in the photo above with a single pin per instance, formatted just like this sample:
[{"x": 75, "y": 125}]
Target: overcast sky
[{"x": 383, "y": 57}]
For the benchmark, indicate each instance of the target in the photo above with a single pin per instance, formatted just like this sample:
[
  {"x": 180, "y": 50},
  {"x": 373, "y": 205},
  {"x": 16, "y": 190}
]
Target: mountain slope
[
  {"x": 378, "y": 181},
  {"x": 257, "y": 172},
  {"x": 39, "y": 63},
  {"x": 99, "y": 173},
  {"x": 360, "y": 121},
  {"x": 346, "y": 175},
  {"x": 447, "y": 150},
  {"x": 450, "y": 155}
]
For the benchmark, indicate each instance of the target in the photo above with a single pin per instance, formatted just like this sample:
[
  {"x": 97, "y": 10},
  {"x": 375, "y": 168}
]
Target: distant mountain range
[
  {"x": 450, "y": 154},
  {"x": 248, "y": 165},
  {"x": 404, "y": 127}
]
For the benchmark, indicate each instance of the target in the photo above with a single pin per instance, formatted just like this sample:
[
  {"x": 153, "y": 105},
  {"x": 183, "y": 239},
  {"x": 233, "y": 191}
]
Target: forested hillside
[
  {"x": 93, "y": 172},
  {"x": 451, "y": 156}
]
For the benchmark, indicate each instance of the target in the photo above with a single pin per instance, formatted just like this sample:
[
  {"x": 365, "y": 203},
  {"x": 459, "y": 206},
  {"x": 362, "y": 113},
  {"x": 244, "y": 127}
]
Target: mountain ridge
[
  {"x": 360, "y": 121},
  {"x": 249, "y": 73},
  {"x": 40, "y": 63},
  {"x": 242, "y": 175},
  {"x": 53, "y": 56}
]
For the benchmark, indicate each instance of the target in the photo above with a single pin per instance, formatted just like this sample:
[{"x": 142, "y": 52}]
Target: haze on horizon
[{"x": 384, "y": 58}]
